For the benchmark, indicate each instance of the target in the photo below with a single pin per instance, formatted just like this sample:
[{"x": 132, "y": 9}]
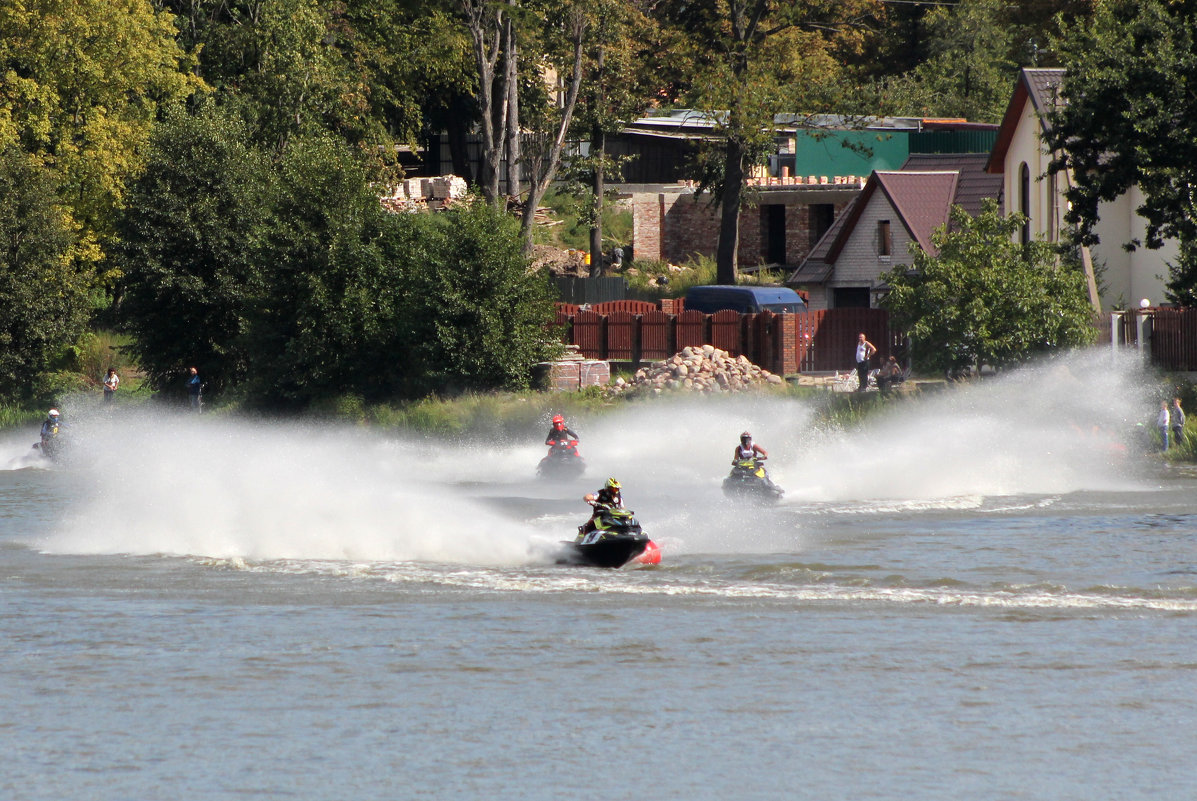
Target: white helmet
[{"x": 53, "y": 412}]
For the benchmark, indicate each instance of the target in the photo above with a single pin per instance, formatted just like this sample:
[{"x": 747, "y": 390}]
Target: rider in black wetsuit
[
  {"x": 560, "y": 436},
  {"x": 606, "y": 498}
]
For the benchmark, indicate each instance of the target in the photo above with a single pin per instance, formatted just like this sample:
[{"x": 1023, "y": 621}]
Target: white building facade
[{"x": 1121, "y": 278}]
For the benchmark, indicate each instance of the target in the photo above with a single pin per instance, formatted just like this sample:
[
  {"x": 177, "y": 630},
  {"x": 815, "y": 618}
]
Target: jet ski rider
[
  {"x": 50, "y": 426},
  {"x": 560, "y": 436},
  {"x": 747, "y": 449},
  {"x": 607, "y": 497}
]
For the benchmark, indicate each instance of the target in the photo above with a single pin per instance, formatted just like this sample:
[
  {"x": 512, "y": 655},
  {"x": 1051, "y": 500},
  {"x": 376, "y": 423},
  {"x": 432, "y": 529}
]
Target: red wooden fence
[
  {"x": 636, "y": 331},
  {"x": 827, "y": 339},
  {"x": 820, "y": 341},
  {"x": 656, "y": 336}
]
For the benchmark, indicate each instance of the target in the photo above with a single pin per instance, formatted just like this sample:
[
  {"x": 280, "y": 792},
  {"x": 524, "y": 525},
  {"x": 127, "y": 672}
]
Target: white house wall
[
  {"x": 1111, "y": 262},
  {"x": 1148, "y": 268},
  {"x": 1026, "y": 148},
  {"x": 1127, "y": 277},
  {"x": 859, "y": 263}
]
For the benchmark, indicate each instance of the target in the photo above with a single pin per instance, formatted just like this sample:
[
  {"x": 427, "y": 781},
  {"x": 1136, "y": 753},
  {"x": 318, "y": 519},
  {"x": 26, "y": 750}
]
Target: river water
[{"x": 991, "y": 593}]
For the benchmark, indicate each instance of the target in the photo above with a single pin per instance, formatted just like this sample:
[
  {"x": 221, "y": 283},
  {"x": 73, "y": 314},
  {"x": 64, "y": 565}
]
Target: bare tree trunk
[
  {"x": 485, "y": 24},
  {"x": 727, "y": 256},
  {"x": 512, "y": 88},
  {"x": 540, "y": 182},
  {"x": 598, "y": 151}
]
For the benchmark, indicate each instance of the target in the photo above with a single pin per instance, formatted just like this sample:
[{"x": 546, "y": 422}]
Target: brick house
[
  {"x": 808, "y": 184},
  {"x": 895, "y": 209}
]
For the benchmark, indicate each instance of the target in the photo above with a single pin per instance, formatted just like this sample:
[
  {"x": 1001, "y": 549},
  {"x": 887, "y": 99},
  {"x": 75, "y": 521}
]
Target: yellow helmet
[{"x": 612, "y": 484}]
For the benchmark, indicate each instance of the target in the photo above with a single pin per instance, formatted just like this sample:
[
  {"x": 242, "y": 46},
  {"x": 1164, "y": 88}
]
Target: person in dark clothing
[
  {"x": 608, "y": 497},
  {"x": 560, "y": 436},
  {"x": 195, "y": 388}
]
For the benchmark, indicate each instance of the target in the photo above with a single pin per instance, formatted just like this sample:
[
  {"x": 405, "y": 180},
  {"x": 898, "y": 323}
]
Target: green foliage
[
  {"x": 287, "y": 279},
  {"x": 81, "y": 84},
  {"x": 1130, "y": 120},
  {"x": 96, "y": 351},
  {"x": 17, "y": 416},
  {"x": 44, "y": 278},
  {"x": 190, "y": 235},
  {"x": 474, "y": 317},
  {"x": 644, "y": 277},
  {"x": 573, "y": 206},
  {"x": 748, "y": 63},
  {"x": 985, "y": 299},
  {"x": 325, "y": 317},
  {"x": 968, "y": 71},
  {"x": 491, "y": 416}
]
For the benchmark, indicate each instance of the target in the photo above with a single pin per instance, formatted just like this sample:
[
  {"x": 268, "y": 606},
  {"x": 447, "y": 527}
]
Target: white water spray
[{"x": 275, "y": 491}]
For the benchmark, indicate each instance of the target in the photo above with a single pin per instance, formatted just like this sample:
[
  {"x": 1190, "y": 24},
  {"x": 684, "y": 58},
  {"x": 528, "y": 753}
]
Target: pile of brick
[
  {"x": 424, "y": 194},
  {"x": 698, "y": 369}
]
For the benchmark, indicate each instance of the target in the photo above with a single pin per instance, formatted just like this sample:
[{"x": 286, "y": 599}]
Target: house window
[
  {"x": 884, "y": 243},
  {"x": 850, "y": 297},
  {"x": 1024, "y": 201},
  {"x": 822, "y": 215}
]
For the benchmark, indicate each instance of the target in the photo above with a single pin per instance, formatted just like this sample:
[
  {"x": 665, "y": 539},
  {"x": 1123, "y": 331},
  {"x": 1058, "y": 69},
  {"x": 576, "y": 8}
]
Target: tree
[
  {"x": 45, "y": 273},
  {"x": 752, "y": 60},
  {"x": 571, "y": 25},
  {"x": 1130, "y": 119},
  {"x": 487, "y": 23},
  {"x": 189, "y": 240},
  {"x": 474, "y": 317},
  {"x": 984, "y": 298},
  {"x": 325, "y": 313},
  {"x": 618, "y": 85},
  {"x": 81, "y": 82},
  {"x": 969, "y": 67}
]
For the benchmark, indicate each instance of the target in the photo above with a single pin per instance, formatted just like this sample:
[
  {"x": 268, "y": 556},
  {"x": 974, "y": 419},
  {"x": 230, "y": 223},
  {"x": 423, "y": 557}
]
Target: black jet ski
[
  {"x": 615, "y": 541},
  {"x": 562, "y": 461},
  {"x": 748, "y": 479}
]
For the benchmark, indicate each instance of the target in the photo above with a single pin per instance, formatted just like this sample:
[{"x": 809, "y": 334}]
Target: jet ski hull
[
  {"x": 749, "y": 485},
  {"x": 614, "y": 540},
  {"x": 610, "y": 551},
  {"x": 561, "y": 465}
]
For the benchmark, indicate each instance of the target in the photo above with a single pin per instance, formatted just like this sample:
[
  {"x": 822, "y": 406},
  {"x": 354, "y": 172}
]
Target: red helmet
[{"x": 558, "y": 421}]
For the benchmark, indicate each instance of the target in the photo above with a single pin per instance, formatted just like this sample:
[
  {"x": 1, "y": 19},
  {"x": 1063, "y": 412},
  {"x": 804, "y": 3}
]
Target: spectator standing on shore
[
  {"x": 111, "y": 382},
  {"x": 1177, "y": 421},
  {"x": 864, "y": 352},
  {"x": 1162, "y": 424},
  {"x": 195, "y": 388}
]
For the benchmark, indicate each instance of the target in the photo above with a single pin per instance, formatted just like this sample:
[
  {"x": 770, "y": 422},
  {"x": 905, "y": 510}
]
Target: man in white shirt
[
  {"x": 864, "y": 351},
  {"x": 111, "y": 382}
]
